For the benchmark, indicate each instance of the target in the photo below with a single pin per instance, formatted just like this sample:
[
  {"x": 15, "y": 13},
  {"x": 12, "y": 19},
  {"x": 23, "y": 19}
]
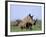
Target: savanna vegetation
[{"x": 37, "y": 27}]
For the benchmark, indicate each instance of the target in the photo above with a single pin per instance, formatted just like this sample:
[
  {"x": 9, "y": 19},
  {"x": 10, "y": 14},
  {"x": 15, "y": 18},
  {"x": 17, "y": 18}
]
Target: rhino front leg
[{"x": 30, "y": 27}]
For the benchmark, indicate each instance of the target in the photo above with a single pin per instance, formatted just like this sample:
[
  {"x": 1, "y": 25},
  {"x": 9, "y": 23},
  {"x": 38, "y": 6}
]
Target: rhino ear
[
  {"x": 29, "y": 14},
  {"x": 32, "y": 17}
]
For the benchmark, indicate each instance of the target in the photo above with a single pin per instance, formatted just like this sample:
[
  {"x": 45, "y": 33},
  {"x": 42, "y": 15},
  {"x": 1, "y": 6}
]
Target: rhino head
[{"x": 34, "y": 21}]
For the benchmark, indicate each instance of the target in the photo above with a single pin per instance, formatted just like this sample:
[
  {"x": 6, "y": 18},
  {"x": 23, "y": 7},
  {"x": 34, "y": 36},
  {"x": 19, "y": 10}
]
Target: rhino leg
[
  {"x": 21, "y": 27},
  {"x": 29, "y": 26}
]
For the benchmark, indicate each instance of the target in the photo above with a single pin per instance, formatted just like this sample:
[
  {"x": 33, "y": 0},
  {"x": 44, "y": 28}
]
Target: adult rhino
[{"x": 27, "y": 22}]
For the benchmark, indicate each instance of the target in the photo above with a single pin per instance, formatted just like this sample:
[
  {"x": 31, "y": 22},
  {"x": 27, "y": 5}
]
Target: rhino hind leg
[{"x": 21, "y": 27}]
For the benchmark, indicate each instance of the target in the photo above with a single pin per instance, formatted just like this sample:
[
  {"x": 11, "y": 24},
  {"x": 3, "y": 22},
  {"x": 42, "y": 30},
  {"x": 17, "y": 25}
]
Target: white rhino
[{"x": 27, "y": 22}]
